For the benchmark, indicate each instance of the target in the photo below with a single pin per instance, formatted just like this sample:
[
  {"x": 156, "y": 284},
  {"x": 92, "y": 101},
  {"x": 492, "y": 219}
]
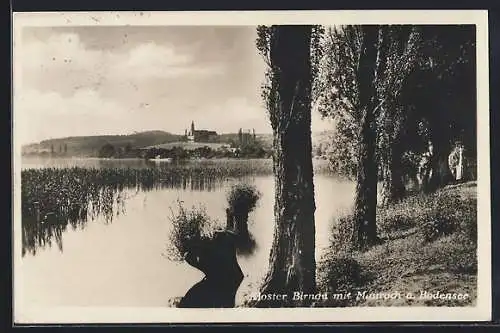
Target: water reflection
[
  {"x": 122, "y": 263},
  {"x": 57, "y": 193},
  {"x": 54, "y": 198}
]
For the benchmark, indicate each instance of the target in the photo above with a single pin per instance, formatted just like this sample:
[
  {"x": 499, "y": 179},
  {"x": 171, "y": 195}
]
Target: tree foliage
[
  {"x": 426, "y": 80},
  {"x": 107, "y": 150}
]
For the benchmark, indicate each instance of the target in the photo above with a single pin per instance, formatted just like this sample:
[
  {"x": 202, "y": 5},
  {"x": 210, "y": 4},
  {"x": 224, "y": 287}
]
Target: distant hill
[{"x": 90, "y": 145}]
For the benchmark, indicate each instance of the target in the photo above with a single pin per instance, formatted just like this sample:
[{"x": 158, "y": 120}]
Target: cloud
[
  {"x": 234, "y": 113},
  {"x": 238, "y": 112},
  {"x": 48, "y": 104},
  {"x": 73, "y": 88},
  {"x": 149, "y": 60},
  {"x": 60, "y": 51},
  {"x": 64, "y": 62},
  {"x": 41, "y": 115}
]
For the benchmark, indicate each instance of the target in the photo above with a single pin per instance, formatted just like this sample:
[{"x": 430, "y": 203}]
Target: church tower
[{"x": 191, "y": 134}]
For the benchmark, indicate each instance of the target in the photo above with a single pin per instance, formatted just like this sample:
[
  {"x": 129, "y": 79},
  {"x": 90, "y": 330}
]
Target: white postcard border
[{"x": 482, "y": 311}]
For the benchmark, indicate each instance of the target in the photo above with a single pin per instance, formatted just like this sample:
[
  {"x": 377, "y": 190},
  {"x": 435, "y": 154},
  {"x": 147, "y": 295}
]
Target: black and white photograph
[{"x": 253, "y": 166}]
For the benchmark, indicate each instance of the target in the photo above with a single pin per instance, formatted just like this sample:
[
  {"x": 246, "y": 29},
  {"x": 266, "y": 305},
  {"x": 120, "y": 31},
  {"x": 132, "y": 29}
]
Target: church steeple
[{"x": 192, "y": 127}]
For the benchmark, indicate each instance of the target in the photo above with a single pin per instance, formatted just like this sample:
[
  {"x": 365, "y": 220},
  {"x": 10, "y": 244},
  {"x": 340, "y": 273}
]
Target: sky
[{"x": 95, "y": 80}]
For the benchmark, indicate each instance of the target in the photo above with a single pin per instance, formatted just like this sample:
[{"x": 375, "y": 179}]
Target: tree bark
[
  {"x": 439, "y": 161},
  {"x": 440, "y": 171},
  {"x": 365, "y": 227},
  {"x": 292, "y": 258},
  {"x": 393, "y": 188},
  {"x": 237, "y": 223}
]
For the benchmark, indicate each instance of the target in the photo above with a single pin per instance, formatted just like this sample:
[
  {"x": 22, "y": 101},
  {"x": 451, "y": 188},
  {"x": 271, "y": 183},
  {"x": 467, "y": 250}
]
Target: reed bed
[{"x": 54, "y": 197}]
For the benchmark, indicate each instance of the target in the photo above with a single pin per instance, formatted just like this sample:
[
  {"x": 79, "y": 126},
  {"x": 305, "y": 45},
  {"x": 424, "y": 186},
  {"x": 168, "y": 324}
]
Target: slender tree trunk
[
  {"x": 292, "y": 259},
  {"x": 440, "y": 170},
  {"x": 393, "y": 188},
  {"x": 229, "y": 220},
  {"x": 439, "y": 161},
  {"x": 237, "y": 223},
  {"x": 241, "y": 222},
  {"x": 365, "y": 227}
]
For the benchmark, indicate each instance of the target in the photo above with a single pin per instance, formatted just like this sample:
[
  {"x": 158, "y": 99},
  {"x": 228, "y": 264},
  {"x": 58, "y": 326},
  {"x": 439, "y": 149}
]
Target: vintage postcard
[{"x": 184, "y": 167}]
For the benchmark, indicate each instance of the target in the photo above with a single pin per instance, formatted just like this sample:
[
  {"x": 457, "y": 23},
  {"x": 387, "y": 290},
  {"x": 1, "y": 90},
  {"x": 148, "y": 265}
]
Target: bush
[
  {"x": 342, "y": 234},
  {"x": 342, "y": 149},
  {"x": 106, "y": 151},
  {"x": 242, "y": 198},
  {"x": 189, "y": 227},
  {"x": 440, "y": 216},
  {"x": 436, "y": 226},
  {"x": 394, "y": 220},
  {"x": 339, "y": 274},
  {"x": 467, "y": 220}
]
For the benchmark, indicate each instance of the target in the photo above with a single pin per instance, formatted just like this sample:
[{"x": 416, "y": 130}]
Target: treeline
[
  {"x": 402, "y": 98},
  {"x": 87, "y": 146},
  {"x": 127, "y": 145},
  {"x": 110, "y": 151},
  {"x": 52, "y": 150},
  {"x": 424, "y": 87},
  {"x": 250, "y": 149}
]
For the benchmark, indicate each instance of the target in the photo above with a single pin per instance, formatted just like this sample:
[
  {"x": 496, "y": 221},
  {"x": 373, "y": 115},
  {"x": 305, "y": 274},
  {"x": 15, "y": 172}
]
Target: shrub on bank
[
  {"x": 432, "y": 216},
  {"x": 467, "y": 217},
  {"x": 242, "y": 198},
  {"x": 436, "y": 216},
  {"x": 429, "y": 238},
  {"x": 189, "y": 227},
  {"x": 344, "y": 271},
  {"x": 446, "y": 213},
  {"x": 342, "y": 234}
]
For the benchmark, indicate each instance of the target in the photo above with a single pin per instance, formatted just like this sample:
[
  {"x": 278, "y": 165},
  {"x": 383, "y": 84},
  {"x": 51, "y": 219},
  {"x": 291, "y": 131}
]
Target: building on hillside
[
  {"x": 194, "y": 135},
  {"x": 246, "y": 137}
]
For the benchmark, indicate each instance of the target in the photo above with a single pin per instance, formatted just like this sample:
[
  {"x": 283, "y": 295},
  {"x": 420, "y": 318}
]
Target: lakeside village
[
  {"x": 158, "y": 146},
  {"x": 205, "y": 144}
]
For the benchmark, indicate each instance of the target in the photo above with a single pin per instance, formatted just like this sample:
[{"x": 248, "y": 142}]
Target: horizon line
[{"x": 145, "y": 131}]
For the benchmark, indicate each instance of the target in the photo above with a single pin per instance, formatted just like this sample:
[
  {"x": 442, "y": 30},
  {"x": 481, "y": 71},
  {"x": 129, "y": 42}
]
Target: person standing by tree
[
  {"x": 456, "y": 162},
  {"x": 425, "y": 168}
]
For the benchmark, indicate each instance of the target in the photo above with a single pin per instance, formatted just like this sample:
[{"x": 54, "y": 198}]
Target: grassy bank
[{"x": 428, "y": 244}]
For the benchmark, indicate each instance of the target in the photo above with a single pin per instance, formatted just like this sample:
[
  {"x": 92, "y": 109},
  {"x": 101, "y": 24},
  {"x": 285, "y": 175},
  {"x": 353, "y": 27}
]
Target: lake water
[{"x": 123, "y": 264}]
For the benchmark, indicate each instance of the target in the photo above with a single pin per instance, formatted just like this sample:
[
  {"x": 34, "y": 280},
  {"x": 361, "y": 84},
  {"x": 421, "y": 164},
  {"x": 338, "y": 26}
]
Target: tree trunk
[
  {"x": 229, "y": 220},
  {"x": 292, "y": 259},
  {"x": 440, "y": 171},
  {"x": 365, "y": 227},
  {"x": 393, "y": 188},
  {"x": 241, "y": 223},
  {"x": 238, "y": 223},
  {"x": 439, "y": 161}
]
